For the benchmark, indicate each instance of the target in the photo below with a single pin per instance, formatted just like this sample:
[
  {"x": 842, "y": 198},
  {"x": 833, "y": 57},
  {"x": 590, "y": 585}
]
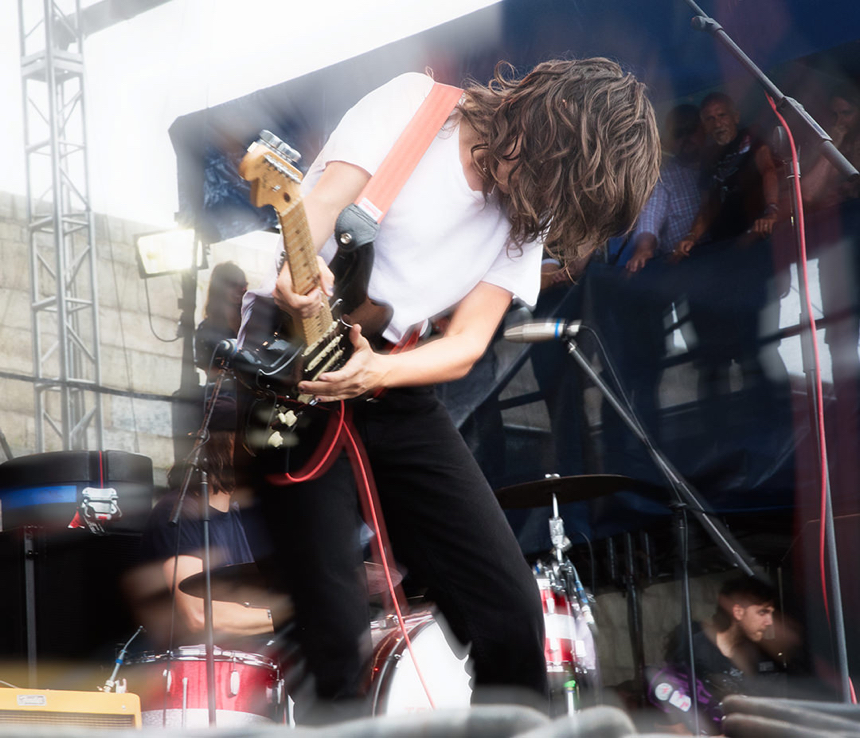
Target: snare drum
[
  {"x": 172, "y": 688},
  {"x": 396, "y": 688}
]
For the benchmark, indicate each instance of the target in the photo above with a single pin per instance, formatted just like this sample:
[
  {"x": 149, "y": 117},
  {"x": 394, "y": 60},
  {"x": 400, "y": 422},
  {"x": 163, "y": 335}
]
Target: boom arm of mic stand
[
  {"x": 788, "y": 106},
  {"x": 683, "y": 490}
]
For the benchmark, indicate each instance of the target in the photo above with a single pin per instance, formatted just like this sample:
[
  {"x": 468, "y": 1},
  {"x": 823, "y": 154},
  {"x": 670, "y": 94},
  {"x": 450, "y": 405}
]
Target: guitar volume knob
[{"x": 288, "y": 418}]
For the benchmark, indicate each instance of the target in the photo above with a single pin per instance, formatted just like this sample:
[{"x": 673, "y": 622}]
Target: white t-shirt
[{"x": 440, "y": 238}]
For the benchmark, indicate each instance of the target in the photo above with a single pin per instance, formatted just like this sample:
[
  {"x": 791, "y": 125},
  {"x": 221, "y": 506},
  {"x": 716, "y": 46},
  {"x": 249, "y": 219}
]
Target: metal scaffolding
[{"x": 64, "y": 294}]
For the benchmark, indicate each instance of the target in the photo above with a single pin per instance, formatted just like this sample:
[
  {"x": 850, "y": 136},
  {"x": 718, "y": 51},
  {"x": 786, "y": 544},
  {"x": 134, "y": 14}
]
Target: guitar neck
[{"x": 302, "y": 263}]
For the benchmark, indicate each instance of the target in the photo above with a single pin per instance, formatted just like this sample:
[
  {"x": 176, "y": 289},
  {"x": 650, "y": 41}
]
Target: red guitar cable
[
  {"x": 803, "y": 277},
  {"x": 333, "y": 439}
]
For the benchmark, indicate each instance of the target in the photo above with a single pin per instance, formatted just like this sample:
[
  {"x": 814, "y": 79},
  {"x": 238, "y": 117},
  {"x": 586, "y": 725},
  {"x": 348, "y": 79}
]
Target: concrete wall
[{"x": 132, "y": 358}]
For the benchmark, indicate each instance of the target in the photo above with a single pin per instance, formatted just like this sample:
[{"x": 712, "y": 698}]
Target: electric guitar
[{"x": 279, "y": 352}]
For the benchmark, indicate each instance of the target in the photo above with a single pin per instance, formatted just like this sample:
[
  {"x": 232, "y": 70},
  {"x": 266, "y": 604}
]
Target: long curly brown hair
[{"x": 582, "y": 142}]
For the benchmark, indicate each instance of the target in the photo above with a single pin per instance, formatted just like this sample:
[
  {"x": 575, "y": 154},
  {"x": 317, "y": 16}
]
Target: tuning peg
[{"x": 273, "y": 142}]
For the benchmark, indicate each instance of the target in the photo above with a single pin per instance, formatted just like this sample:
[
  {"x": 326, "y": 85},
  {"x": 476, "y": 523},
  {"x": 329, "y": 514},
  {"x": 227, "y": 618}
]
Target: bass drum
[
  {"x": 172, "y": 688},
  {"x": 396, "y": 687}
]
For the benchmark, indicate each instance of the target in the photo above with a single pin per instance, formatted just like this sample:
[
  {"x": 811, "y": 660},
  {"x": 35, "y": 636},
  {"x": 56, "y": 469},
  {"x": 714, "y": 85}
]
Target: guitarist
[{"x": 560, "y": 159}]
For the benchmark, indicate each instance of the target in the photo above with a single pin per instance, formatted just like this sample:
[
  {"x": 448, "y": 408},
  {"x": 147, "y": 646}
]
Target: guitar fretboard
[{"x": 302, "y": 263}]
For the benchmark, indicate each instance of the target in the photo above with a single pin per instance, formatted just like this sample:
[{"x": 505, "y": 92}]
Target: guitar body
[
  {"x": 351, "y": 269},
  {"x": 280, "y": 352}
]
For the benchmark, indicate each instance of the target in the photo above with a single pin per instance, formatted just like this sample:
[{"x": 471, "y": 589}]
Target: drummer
[{"x": 173, "y": 553}]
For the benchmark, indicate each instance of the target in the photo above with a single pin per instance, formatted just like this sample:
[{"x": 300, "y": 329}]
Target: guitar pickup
[
  {"x": 312, "y": 347},
  {"x": 332, "y": 362},
  {"x": 311, "y": 365}
]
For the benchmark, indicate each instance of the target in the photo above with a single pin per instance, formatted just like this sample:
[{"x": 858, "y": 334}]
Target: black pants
[{"x": 445, "y": 527}]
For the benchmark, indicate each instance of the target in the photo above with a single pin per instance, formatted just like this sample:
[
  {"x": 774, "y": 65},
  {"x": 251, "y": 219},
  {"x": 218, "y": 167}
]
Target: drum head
[{"x": 399, "y": 687}]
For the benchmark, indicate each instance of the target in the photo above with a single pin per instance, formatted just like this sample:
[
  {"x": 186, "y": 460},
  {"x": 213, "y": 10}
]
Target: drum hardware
[
  {"x": 98, "y": 505},
  {"x": 569, "y": 648},
  {"x": 685, "y": 498}
]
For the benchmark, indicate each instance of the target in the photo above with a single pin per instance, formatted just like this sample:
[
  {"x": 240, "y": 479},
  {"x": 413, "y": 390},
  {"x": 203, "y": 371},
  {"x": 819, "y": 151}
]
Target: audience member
[
  {"x": 730, "y": 276},
  {"x": 822, "y": 184},
  {"x": 633, "y": 295},
  {"x": 652, "y": 287},
  {"x": 668, "y": 215},
  {"x": 557, "y": 374},
  {"x": 222, "y": 313}
]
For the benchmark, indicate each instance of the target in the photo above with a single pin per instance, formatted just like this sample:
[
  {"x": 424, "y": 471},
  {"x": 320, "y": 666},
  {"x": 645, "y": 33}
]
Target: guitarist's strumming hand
[
  {"x": 363, "y": 373},
  {"x": 298, "y": 305}
]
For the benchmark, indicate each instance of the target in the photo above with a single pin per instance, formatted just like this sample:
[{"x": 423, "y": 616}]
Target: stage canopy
[{"x": 806, "y": 45}]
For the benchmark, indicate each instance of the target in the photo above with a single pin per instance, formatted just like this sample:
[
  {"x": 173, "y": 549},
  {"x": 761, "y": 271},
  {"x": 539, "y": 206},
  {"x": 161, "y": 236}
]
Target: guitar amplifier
[{"x": 62, "y": 707}]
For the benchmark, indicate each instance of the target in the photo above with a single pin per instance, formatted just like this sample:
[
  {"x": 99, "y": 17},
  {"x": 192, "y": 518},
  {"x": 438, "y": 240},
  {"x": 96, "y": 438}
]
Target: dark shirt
[
  {"x": 736, "y": 190},
  {"x": 228, "y": 543},
  {"x": 722, "y": 677},
  {"x": 207, "y": 336},
  {"x": 716, "y": 678}
]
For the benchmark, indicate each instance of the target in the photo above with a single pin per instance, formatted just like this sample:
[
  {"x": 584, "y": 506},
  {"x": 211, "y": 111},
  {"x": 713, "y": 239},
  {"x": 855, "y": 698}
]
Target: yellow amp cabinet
[{"x": 66, "y": 707}]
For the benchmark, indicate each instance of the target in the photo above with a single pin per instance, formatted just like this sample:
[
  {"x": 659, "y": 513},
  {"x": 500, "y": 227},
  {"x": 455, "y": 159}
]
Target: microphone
[{"x": 543, "y": 330}]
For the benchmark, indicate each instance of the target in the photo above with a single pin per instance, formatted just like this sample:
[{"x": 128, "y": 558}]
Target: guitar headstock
[{"x": 267, "y": 165}]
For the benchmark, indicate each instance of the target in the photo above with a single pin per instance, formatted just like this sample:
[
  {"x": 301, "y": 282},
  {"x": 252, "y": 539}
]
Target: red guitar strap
[{"x": 376, "y": 198}]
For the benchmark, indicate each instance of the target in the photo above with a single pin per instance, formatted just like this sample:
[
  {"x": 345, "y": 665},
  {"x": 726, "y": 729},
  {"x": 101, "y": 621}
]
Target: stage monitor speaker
[{"x": 69, "y": 708}]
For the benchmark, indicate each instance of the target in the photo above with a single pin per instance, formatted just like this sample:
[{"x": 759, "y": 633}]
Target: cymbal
[
  {"x": 244, "y": 583},
  {"x": 568, "y": 489}
]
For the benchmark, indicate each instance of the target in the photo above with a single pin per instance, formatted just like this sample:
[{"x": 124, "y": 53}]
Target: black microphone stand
[
  {"x": 808, "y": 127},
  {"x": 686, "y": 499},
  {"x": 208, "y": 627},
  {"x": 788, "y": 106}
]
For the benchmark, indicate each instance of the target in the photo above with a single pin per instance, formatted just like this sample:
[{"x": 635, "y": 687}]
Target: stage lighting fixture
[{"x": 168, "y": 252}]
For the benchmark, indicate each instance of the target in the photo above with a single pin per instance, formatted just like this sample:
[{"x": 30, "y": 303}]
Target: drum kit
[{"x": 426, "y": 671}]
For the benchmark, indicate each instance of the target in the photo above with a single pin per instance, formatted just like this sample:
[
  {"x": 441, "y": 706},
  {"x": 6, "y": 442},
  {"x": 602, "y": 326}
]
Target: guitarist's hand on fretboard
[{"x": 301, "y": 306}]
